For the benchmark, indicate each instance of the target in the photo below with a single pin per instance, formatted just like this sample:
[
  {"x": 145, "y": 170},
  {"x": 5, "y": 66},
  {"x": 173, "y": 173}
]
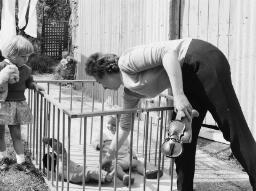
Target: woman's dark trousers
[{"x": 207, "y": 84}]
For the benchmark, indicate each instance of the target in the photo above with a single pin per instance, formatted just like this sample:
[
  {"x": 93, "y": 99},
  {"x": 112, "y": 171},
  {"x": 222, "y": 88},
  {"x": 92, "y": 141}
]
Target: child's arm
[
  {"x": 96, "y": 141},
  {"x": 31, "y": 84}
]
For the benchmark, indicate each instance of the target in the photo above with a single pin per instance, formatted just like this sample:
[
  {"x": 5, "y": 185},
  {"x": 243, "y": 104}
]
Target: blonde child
[{"x": 16, "y": 53}]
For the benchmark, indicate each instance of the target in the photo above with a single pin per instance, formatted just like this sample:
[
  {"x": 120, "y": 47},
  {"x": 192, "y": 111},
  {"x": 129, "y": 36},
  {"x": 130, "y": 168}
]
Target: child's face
[
  {"x": 111, "y": 128},
  {"x": 20, "y": 60}
]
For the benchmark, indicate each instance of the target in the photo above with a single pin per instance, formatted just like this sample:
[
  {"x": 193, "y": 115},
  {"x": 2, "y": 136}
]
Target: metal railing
[{"x": 60, "y": 110}]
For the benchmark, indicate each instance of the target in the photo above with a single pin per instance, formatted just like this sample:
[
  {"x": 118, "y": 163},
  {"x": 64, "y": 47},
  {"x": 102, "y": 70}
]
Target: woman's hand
[
  {"x": 187, "y": 133},
  {"x": 181, "y": 103}
]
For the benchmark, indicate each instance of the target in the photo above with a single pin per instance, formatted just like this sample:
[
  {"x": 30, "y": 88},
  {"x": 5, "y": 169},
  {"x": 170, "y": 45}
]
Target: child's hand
[{"x": 38, "y": 88}]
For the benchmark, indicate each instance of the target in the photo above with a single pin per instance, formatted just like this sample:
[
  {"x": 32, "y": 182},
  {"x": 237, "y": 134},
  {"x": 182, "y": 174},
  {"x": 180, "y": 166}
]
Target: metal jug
[
  {"x": 172, "y": 146},
  {"x": 179, "y": 131},
  {"x": 178, "y": 134}
]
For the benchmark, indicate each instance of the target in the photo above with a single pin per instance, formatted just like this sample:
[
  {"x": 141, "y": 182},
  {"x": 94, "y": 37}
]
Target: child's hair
[
  {"x": 111, "y": 124},
  {"x": 111, "y": 120},
  {"x": 17, "y": 46}
]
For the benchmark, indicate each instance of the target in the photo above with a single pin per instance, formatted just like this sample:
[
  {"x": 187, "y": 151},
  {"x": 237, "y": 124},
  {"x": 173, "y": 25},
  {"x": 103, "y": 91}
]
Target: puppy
[{"x": 75, "y": 170}]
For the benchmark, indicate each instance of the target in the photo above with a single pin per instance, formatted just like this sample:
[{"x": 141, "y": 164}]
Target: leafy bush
[
  {"x": 42, "y": 63},
  {"x": 54, "y": 9},
  {"x": 66, "y": 69}
]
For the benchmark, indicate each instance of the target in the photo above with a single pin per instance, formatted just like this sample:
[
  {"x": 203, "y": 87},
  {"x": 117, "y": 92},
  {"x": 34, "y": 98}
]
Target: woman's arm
[
  {"x": 130, "y": 102},
  {"x": 173, "y": 69},
  {"x": 122, "y": 136}
]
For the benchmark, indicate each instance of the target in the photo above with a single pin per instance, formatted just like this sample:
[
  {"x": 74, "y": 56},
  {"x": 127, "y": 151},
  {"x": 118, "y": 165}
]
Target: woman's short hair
[
  {"x": 17, "y": 46},
  {"x": 98, "y": 64}
]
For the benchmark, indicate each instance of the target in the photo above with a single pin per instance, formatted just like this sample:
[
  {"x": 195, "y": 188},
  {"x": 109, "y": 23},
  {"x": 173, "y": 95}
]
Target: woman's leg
[
  {"x": 185, "y": 163},
  {"x": 227, "y": 113},
  {"x": 15, "y": 132},
  {"x": 212, "y": 73}
]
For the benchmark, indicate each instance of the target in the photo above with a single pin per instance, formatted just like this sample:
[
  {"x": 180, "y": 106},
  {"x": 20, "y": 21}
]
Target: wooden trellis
[{"x": 55, "y": 38}]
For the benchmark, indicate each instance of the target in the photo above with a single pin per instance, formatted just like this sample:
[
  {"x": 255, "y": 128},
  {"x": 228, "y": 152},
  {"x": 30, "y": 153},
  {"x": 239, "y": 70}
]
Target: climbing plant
[{"x": 54, "y": 9}]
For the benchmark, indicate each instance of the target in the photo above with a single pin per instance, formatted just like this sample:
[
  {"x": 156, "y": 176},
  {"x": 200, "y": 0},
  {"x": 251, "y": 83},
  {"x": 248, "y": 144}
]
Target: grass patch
[{"x": 15, "y": 180}]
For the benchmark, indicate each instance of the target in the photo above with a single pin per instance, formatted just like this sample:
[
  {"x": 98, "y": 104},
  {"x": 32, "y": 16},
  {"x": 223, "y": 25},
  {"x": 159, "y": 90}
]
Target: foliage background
[{"x": 53, "y": 10}]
